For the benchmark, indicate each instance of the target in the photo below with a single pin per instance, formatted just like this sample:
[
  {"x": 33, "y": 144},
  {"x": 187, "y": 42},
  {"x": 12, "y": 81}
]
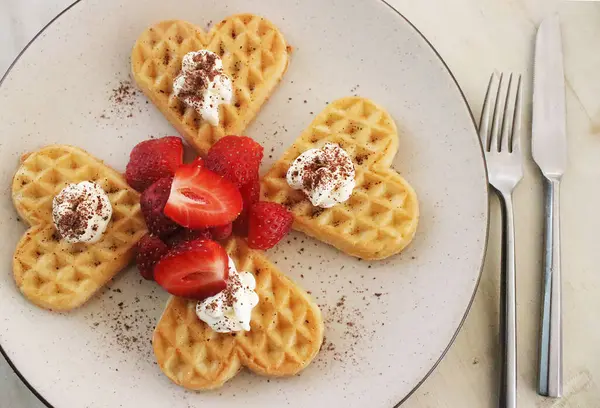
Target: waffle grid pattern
[
  {"x": 254, "y": 55},
  {"x": 381, "y": 216},
  {"x": 286, "y": 331},
  {"x": 50, "y": 272}
]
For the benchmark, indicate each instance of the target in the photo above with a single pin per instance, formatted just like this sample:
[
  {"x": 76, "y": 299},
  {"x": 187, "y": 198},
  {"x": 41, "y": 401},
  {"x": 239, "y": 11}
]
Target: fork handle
[
  {"x": 508, "y": 307},
  {"x": 550, "y": 362}
]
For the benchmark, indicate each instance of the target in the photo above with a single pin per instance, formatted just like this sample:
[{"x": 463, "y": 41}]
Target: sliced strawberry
[
  {"x": 152, "y": 203},
  {"x": 250, "y": 194},
  {"x": 200, "y": 198},
  {"x": 153, "y": 159},
  {"x": 194, "y": 270},
  {"x": 236, "y": 158},
  {"x": 268, "y": 224},
  {"x": 186, "y": 235},
  {"x": 150, "y": 250},
  {"x": 221, "y": 232}
]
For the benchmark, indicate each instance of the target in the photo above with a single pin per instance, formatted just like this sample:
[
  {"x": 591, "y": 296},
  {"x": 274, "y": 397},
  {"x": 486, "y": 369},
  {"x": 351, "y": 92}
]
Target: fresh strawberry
[
  {"x": 268, "y": 224},
  {"x": 153, "y": 159},
  {"x": 200, "y": 198},
  {"x": 153, "y": 202},
  {"x": 240, "y": 225},
  {"x": 150, "y": 250},
  {"x": 199, "y": 162},
  {"x": 186, "y": 235},
  {"x": 236, "y": 158},
  {"x": 221, "y": 232},
  {"x": 250, "y": 194},
  {"x": 194, "y": 270}
]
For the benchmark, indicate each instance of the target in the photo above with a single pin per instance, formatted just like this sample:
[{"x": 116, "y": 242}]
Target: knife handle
[{"x": 550, "y": 362}]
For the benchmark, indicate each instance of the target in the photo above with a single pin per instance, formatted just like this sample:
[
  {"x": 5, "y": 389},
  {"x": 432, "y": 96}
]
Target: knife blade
[
  {"x": 549, "y": 134},
  {"x": 549, "y": 150}
]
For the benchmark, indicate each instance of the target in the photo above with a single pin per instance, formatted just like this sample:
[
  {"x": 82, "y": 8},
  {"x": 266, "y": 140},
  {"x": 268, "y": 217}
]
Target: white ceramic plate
[{"x": 387, "y": 323}]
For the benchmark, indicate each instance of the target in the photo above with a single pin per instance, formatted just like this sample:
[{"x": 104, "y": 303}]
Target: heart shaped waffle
[
  {"x": 254, "y": 55},
  {"x": 50, "y": 272},
  {"x": 286, "y": 331},
  {"x": 381, "y": 216}
]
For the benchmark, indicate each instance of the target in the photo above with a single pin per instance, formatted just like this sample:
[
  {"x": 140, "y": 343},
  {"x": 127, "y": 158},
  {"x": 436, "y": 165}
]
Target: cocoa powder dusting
[
  {"x": 126, "y": 324},
  {"x": 124, "y": 93},
  {"x": 326, "y": 170},
  {"x": 122, "y": 99},
  {"x": 73, "y": 223},
  {"x": 347, "y": 322},
  {"x": 197, "y": 79}
]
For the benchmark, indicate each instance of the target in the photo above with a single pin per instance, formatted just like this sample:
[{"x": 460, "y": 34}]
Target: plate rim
[{"x": 487, "y": 213}]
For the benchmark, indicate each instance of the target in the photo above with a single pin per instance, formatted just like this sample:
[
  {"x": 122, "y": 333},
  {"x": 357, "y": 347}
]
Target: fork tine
[
  {"x": 484, "y": 121},
  {"x": 494, "y": 143},
  {"x": 508, "y": 117},
  {"x": 517, "y": 119}
]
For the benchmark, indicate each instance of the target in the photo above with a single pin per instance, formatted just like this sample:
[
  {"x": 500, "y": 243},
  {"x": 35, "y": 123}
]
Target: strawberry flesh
[
  {"x": 194, "y": 270},
  {"x": 200, "y": 198}
]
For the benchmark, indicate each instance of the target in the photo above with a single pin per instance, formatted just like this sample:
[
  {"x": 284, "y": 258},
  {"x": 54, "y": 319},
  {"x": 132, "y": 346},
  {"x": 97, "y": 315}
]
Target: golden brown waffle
[
  {"x": 254, "y": 55},
  {"x": 50, "y": 272},
  {"x": 286, "y": 331},
  {"x": 381, "y": 216}
]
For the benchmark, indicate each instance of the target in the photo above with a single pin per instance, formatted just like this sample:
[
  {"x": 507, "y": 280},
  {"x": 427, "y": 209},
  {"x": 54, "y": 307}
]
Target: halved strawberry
[
  {"x": 269, "y": 223},
  {"x": 237, "y": 158},
  {"x": 194, "y": 270},
  {"x": 250, "y": 194},
  {"x": 152, "y": 203},
  {"x": 153, "y": 159},
  {"x": 150, "y": 250},
  {"x": 200, "y": 198}
]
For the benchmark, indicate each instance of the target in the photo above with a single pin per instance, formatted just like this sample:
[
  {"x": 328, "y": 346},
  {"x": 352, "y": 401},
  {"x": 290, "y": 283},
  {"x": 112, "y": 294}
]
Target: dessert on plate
[
  {"x": 84, "y": 223},
  {"x": 212, "y": 84},
  {"x": 197, "y": 229},
  {"x": 231, "y": 307},
  {"x": 285, "y": 333},
  {"x": 337, "y": 181},
  {"x": 251, "y": 51}
]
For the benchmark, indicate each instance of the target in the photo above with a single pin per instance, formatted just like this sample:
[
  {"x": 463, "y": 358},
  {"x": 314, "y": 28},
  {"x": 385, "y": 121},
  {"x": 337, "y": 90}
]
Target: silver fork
[{"x": 500, "y": 130}]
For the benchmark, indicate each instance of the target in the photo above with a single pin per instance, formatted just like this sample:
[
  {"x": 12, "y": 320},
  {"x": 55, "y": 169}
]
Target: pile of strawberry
[{"x": 189, "y": 206}]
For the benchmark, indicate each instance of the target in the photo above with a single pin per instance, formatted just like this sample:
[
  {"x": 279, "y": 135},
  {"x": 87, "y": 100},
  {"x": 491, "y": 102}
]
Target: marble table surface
[{"x": 476, "y": 37}]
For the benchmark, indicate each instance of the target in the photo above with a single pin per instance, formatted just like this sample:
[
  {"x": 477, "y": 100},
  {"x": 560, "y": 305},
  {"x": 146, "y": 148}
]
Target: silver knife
[{"x": 549, "y": 149}]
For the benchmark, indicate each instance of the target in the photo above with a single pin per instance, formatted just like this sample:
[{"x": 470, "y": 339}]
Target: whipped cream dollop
[
  {"x": 81, "y": 212},
  {"x": 202, "y": 84},
  {"x": 231, "y": 309},
  {"x": 325, "y": 175}
]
